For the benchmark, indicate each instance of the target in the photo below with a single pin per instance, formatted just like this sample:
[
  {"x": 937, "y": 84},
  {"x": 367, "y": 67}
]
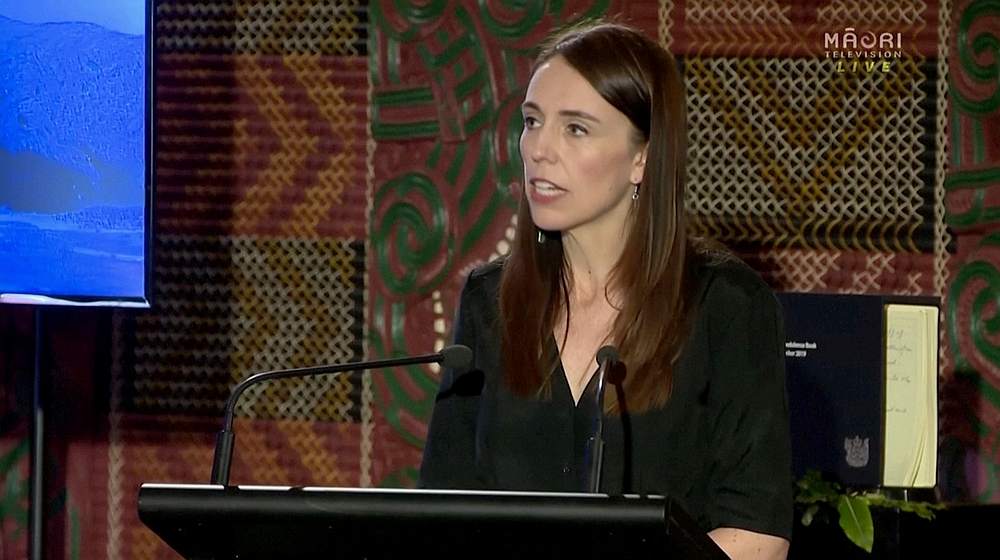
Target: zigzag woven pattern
[
  {"x": 768, "y": 28},
  {"x": 143, "y": 449},
  {"x": 253, "y": 145},
  {"x": 855, "y": 272},
  {"x": 196, "y": 26},
  {"x": 296, "y": 452},
  {"x": 298, "y": 146},
  {"x": 261, "y": 113},
  {"x": 791, "y": 153},
  {"x": 262, "y": 26},
  {"x": 233, "y": 306},
  {"x": 300, "y": 27}
]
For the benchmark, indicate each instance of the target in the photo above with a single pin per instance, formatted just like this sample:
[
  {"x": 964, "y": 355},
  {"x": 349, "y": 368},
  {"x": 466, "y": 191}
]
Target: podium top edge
[{"x": 389, "y": 491}]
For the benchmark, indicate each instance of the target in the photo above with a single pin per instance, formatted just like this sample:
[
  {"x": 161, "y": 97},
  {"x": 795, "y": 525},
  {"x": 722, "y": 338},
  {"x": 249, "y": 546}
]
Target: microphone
[
  {"x": 454, "y": 357},
  {"x": 607, "y": 357}
]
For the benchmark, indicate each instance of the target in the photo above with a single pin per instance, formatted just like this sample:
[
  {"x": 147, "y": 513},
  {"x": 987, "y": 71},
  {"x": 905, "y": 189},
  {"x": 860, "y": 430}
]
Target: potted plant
[{"x": 819, "y": 499}]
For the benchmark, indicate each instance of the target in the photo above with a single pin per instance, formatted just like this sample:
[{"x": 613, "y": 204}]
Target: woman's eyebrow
[{"x": 564, "y": 113}]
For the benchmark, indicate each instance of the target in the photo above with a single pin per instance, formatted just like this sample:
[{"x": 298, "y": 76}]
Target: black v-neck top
[{"x": 720, "y": 446}]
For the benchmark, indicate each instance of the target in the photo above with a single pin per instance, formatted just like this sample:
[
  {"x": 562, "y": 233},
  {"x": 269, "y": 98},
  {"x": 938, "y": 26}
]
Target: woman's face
[{"x": 580, "y": 155}]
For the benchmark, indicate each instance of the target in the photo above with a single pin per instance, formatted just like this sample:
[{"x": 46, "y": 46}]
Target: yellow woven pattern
[
  {"x": 873, "y": 14},
  {"x": 746, "y": 27},
  {"x": 789, "y": 152},
  {"x": 664, "y": 23},
  {"x": 282, "y": 175},
  {"x": 231, "y": 307},
  {"x": 320, "y": 196},
  {"x": 298, "y": 26},
  {"x": 171, "y": 449},
  {"x": 734, "y": 12},
  {"x": 294, "y": 303},
  {"x": 297, "y": 452},
  {"x": 801, "y": 270},
  {"x": 295, "y": 144},
  {"x": 203, "y": 26},
  {"x": 261, "y": 455},
  {"x": 367, "y": 394},
  {"x": 311, "y": 450},
  {"x": 144, "y": 544},
  {"x": 941, "y": 234}
]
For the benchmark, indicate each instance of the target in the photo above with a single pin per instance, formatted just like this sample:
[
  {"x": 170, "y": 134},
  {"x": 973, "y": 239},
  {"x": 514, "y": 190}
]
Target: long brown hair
[{"x": 640, "y": 79}]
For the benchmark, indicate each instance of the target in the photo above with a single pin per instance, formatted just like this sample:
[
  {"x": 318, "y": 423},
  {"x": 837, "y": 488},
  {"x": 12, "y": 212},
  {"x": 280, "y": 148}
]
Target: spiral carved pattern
[{"x": 971, "y": 390}]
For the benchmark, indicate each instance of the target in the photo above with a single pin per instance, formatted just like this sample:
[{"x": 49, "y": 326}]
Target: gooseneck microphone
[
  {"x": 607, "y": 357},
  {"x": 453, "y": 357}
]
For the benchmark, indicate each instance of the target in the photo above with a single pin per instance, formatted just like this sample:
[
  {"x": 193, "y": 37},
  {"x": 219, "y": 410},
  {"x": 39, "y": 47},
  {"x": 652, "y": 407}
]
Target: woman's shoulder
[
  {"x": 726, "y": 280},
  {"x": 483, "y": 280},
  {"x": 487, "y": 272}
]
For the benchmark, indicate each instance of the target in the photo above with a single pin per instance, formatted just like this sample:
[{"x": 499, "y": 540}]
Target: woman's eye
[
  {"x": 530, "y": 122},
  {"x": 576, "y": 130}
]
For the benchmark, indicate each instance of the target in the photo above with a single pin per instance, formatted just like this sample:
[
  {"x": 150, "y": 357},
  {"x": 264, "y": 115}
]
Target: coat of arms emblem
[{"x": 857, "y": 451}]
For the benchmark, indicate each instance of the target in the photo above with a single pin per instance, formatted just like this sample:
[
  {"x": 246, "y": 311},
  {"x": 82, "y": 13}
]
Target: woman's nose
[{"x": 542, "y": 145}]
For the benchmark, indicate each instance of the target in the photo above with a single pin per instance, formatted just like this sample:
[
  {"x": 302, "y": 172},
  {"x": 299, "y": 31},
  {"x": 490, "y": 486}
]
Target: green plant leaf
[
  {"x": 856, "y": 521},
  {"x": 807, "y": 516},
  {"x": 923, "y": 511},
  {"x": 813, "y": 488}
]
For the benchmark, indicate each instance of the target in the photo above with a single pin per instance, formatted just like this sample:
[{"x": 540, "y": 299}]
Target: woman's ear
[{"x": 639, "y": 164}]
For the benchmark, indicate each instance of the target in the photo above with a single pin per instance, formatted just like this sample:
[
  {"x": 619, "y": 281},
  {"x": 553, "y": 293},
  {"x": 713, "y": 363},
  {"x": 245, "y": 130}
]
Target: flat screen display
[{"x": 75, "y": 144}]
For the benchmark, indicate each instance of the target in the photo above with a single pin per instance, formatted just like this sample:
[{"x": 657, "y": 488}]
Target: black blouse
[{"x": 720, "y": 446}]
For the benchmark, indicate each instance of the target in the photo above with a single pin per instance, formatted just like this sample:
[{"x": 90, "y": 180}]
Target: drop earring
[
  {"x": 541, "y": 236},
  {"x": 635, "y": 193}
]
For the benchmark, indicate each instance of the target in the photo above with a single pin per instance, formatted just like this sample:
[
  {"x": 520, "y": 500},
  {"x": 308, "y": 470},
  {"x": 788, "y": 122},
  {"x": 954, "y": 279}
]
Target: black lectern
[{"x": 250, "y": 522}]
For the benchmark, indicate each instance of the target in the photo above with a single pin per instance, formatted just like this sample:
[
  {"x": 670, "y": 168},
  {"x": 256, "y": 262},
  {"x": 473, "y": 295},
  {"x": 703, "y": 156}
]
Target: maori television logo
[{"x": 863, "y": 51}]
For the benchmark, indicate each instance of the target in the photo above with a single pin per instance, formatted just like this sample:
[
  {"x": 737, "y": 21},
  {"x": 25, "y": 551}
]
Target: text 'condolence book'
[{"x": 862, "y": 387}]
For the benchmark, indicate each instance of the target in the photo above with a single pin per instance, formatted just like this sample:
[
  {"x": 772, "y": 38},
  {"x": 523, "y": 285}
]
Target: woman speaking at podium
[{"x": 602, "y": 255}]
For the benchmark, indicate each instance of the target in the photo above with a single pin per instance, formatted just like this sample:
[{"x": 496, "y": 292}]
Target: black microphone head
[
  {"x": 457, "y": 357},
  {"x": 607, "y": 353}
]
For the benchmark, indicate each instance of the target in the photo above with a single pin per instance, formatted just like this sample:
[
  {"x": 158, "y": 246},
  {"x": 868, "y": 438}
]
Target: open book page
[{"x": 911, "y": 396}]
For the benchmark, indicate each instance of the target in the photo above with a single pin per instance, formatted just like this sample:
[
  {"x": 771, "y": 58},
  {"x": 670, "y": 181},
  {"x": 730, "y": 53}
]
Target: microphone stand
[
  {"x": 456, "y": 357},
  {"x": 607, "y": 356}
]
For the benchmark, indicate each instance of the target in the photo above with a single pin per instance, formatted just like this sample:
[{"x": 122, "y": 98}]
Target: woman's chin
[
  {"x": 545, "y": 221},
  {"x": 548, "y": 227}
]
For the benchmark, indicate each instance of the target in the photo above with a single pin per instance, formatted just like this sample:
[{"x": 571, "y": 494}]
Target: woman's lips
[{"x": 542, "y": 191}]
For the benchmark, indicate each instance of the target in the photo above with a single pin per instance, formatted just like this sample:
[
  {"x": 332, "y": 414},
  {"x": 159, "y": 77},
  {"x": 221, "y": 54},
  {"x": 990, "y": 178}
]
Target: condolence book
[{"x": 862, "y": 387}]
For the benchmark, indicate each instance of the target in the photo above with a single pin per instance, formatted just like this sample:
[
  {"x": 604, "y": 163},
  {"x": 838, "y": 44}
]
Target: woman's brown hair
[{"x": 652, "y": 277}]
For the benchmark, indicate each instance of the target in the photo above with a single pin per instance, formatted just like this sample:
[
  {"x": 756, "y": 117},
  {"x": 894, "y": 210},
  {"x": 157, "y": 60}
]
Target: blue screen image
[{"x": 73, "y": 148}]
